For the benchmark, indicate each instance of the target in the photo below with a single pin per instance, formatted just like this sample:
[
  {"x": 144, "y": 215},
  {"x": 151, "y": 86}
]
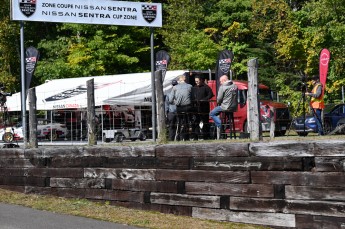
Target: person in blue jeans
[
  {"x": 226, "y": 100},
  {"x": 317, "y": 102}
]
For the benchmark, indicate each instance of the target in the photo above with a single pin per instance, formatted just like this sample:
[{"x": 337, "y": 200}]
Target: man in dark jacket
[
  {"x": 201, "y": 94},
  {"x": 226, "y": 100}
]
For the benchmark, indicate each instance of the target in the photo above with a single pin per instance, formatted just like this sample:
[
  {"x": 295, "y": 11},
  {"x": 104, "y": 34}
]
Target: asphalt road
[{"x": 18, "y": 217}]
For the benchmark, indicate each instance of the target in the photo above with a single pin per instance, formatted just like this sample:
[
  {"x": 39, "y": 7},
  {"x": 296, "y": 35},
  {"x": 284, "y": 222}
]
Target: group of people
[{"x": 188, "y": 107}]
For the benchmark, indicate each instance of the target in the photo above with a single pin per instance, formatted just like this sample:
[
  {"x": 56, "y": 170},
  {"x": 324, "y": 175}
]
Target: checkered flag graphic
[
  {"x": 149, "y": 7},
  {"x": 223, "y": 61}
]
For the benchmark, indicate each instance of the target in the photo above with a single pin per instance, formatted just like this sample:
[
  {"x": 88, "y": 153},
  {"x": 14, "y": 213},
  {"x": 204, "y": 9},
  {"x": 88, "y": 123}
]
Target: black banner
[
  {"x": 31, "y": 58},
  {"x": 162, "y": 61},
  {"x": 224, "y": 61}
]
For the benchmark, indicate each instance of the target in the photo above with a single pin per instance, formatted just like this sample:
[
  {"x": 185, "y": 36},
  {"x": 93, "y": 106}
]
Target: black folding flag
[
  {"x": 31, "y": 58},
  {"x": 162, "y": 61},
  {"x": 224, "y": 61}
]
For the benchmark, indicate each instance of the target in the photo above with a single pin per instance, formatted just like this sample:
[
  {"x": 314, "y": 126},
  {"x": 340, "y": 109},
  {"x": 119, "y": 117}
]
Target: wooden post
[
  {"x": 160, "y": 106},
  {"x": 253, "y": 108},
  {"x": 91, "y": 126},
  {"x": 272, "y": 125},
  {"x": 33, "y": 143}
]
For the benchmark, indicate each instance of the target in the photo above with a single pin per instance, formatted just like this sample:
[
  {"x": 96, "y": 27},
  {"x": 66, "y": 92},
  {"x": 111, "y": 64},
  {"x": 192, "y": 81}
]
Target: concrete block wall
[{"x": 287, "y": 184}]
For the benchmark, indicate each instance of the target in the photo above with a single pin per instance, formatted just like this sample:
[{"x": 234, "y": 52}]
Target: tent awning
[{"x": 126, "y": 89}]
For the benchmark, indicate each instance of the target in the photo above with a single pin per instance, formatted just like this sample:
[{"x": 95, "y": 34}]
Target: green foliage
[
  {"x": 9, "y": 47},
  {"x": 189, "y": 47}
]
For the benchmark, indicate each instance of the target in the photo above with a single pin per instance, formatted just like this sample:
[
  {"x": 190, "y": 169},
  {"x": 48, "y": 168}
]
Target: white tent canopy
[{"x": 126, "y": 89}]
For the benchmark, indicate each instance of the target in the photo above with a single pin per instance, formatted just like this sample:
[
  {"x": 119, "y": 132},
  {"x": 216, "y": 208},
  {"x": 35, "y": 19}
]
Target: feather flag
[{"x": 325, "y": 57}]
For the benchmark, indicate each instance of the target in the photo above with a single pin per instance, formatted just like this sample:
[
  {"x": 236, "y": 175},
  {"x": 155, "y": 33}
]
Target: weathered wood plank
[
  {"x": 298, "y": 148},
  {"x": 205, "y": 176},
  {"x": 326, "y": 208},
  {"x": 61, "y": 192},
  {"x": 281, "y": 149},
  {"x": 173, "y": 163},
  {"x": 143, "y": 185},
  {"x": 315, "y": 193},
  {"x": 55, "y": 172},
  {"x": 329, "y": 179},
  {"x": 39, "y": 162},
  {"x": 185, "y": 200},
  {"x": 30, "y": 181},
  {"x": 211, "y": 214},
  {"x": 252, "y": 190},
  {"x": 13, "y": 188},
  {"x": 16, "y": 163},
  {"x": 77, "y": 162},
  {"x": 120, "y": 151},
  {"x": 59, "y": 152},
  {"x": 203, "y": 150},
  {"x": 39, "y": 190},
  {"x": 271, "y": 219},
  {"x": 12, "y": 172},
  {"x": 11, "y": 153},
  {"x": 131, "y": 162},
  {"x": 257, "y": 204},
  {"x": 166, "y": 209},
  {"x": 247, "y": 163},
  {"x": 126, "y": 174},
  {"x": 77, "y": 183},
  {"x": 319, "y": 222},
  {"x": 101, "y": 194},
  {"x": 329, "y": 164}
]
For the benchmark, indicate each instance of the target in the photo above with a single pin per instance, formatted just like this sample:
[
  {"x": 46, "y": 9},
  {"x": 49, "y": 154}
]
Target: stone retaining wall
[{"x": 278, "y": 184}]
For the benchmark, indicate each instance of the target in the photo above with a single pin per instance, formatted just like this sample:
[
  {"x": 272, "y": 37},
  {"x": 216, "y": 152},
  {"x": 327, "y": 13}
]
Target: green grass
[{"x": 106, "y": 212}]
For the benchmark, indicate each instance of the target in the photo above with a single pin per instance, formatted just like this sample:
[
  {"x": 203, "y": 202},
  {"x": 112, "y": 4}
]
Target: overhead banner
[
  {"x": 31, "y": 58},
  {"x": 325, "y": 57},
  {"x": 88, "y": 12},
  {"x": 223, "y": 66},
  {"x": 162, "y": 61}
]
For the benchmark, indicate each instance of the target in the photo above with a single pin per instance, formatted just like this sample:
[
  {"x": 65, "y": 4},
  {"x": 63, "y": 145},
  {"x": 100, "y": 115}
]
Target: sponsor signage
[
  {"x": 105, "y": 12},
  {"x": 223, "y": 66},
  {"x": 325, "y": 57}
]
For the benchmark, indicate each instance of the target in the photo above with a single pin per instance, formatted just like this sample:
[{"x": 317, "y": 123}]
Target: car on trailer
[{"x": 118, "y": 135}]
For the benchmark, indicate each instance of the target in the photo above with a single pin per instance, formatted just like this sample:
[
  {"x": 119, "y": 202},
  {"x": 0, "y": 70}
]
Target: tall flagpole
[
  {"x": 23, "y": 94},
  {"x": 153, "y": 87}
]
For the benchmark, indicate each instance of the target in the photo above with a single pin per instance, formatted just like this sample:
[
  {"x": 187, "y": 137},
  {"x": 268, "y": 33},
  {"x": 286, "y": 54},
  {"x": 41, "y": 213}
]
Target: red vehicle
[{"x": 281, "y": 113}]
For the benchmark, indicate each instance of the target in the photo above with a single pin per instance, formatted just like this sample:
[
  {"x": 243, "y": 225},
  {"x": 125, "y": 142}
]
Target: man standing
[
  {"x": 181, "y": 96},
  {"x": 226, "y": 100},
  {"x": 317, "y": 102},
  {"x": 201, "y": 94},
  {"x": 170, "y": 110}
]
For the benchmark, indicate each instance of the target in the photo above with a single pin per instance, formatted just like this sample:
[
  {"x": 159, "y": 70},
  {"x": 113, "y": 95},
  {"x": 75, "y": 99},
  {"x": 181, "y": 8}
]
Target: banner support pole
[
  {"x": 153, "y": 87},
  {"x": 23, "y": 94}
]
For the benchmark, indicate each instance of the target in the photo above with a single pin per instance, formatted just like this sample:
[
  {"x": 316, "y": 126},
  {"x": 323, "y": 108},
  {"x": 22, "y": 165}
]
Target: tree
[
  {"x": 85, "y": 50},
  {"x": 9, "y": 50},
  {"x": 184, "y": 37}
]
